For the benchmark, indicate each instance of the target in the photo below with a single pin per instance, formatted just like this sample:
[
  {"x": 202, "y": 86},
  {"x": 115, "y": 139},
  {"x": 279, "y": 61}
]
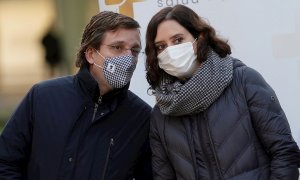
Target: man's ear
[{"x": 89, "y": 55}]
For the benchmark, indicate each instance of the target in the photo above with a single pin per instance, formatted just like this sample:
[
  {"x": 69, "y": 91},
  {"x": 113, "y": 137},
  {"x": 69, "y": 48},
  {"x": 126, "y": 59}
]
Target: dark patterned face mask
[{"x": 118, "y": 70}]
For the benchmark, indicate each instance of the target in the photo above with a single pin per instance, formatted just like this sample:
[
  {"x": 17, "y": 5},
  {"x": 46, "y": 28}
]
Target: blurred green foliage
[
  {"x": 4, "y": 116},
  {"x": 1, "y": 127}
]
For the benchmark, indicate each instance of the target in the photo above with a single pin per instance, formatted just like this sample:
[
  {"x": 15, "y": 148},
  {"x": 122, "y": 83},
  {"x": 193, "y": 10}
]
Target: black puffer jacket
[{"x": 243, "y": 135}]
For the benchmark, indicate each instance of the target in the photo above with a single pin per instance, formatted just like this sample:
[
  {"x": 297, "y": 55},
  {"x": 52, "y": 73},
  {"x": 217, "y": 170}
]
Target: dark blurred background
[{"x": 38, "y": 41}]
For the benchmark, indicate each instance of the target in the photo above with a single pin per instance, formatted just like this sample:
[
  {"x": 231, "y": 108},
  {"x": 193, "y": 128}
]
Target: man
[{"x": 87, "y": 126}]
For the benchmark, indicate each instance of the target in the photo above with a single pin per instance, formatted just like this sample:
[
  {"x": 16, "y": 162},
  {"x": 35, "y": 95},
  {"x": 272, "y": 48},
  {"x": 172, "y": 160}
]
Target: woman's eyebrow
[{"x": 172, "y": 37}]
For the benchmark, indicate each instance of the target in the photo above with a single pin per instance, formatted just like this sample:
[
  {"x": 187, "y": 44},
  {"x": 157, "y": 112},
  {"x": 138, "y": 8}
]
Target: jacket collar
[{"x": 90, "y": 87}]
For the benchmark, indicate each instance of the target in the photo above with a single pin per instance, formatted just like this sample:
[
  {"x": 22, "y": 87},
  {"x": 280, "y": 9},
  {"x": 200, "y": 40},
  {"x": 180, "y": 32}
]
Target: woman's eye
[
  {"x": 160, "y": 48},
  {"x": 178, "y": 41}
]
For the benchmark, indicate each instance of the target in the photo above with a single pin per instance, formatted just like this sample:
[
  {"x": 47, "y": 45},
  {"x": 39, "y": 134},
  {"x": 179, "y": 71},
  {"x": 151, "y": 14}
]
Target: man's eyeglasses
[{"x": 119, "y": 50}]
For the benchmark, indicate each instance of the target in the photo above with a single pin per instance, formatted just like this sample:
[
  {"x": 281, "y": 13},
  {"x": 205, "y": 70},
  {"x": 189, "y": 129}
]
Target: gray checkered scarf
[{"x": 200, "y": 91}]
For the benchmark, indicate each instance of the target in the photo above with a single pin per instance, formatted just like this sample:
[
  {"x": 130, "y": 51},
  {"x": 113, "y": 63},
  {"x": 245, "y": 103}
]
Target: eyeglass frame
[{"x": 134, "y": 51}]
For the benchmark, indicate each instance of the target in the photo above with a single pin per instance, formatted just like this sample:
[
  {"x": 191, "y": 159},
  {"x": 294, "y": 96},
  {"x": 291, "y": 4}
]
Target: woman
[{"x": 215, "y": 117}]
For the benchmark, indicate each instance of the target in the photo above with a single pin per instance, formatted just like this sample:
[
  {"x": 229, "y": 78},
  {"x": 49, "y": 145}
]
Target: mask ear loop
[
  {"x": 195, "y": 40},
  {"x": 98, "y": 65},
  {"x": 196, "y": 45},
  {"x": 101, "y": 56}
]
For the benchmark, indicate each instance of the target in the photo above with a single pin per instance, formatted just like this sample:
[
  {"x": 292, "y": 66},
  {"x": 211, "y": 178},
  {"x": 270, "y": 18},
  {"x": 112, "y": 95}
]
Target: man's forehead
[{"x": 123, "y": 36}]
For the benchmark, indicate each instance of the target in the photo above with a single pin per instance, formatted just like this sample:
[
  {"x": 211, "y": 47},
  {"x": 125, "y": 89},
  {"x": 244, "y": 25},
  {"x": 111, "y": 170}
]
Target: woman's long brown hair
[{"x": 205, "y": 34}]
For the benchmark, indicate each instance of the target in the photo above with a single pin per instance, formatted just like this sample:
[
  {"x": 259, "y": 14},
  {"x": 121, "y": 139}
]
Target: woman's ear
[{"x": 89, "y": 55}]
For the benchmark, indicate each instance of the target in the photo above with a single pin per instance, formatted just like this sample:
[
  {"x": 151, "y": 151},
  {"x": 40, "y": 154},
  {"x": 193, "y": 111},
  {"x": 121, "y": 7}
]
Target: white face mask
[{"x": 179, "y": 60}]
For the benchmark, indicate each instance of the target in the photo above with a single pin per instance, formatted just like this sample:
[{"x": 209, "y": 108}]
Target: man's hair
[
  {"x": 94, "y": 31},
  {"x": 186, "y": 17}
]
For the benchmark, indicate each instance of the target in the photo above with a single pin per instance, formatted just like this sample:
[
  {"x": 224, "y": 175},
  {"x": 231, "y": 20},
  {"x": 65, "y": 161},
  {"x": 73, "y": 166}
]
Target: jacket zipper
[
  {"x": 213, "y": 149},
  {"x": 96, "y": 107},
  {"x": 191, "y": 141},
  {"x": 107, "y": 158}
]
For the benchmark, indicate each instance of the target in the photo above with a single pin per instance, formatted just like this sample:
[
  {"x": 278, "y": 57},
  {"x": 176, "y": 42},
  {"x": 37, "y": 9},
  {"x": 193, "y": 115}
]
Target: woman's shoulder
[
  {"x": 247, "y": 74},
  {"x": 156, "y": 111}
]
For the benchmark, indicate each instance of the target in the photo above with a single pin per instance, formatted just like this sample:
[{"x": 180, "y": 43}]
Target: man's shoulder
[
  {"x": 135, "y": 100},
  {"x": 56, "y": 82},
  {"x": 59, "y": 85}
]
